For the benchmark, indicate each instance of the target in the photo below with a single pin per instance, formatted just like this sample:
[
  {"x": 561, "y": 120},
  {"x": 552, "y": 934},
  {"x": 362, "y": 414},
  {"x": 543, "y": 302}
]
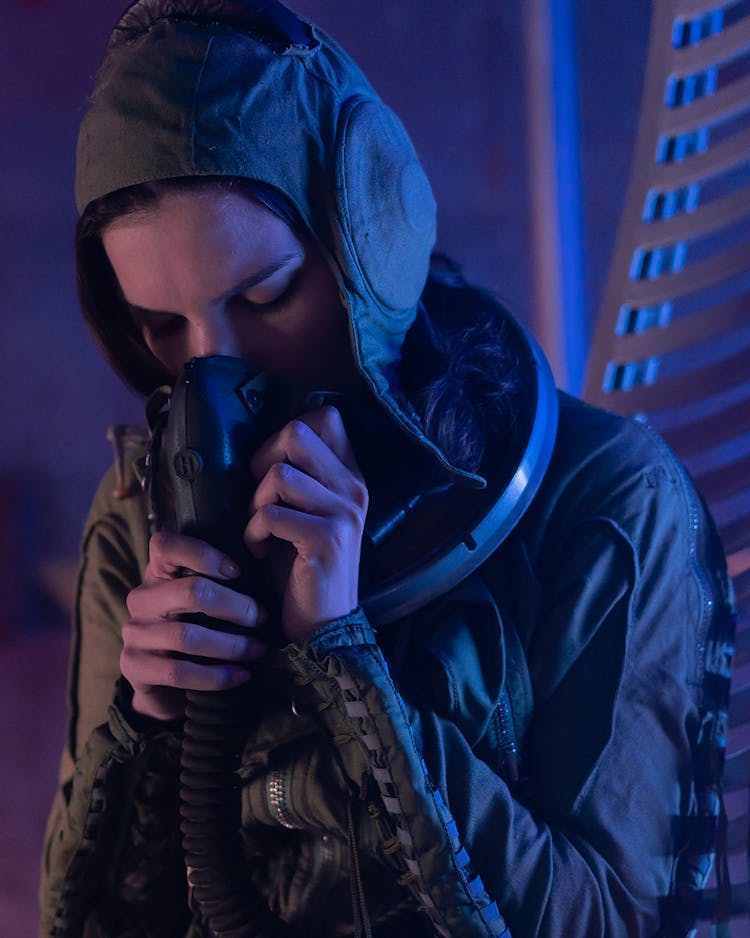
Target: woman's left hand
[{"x": 306, "y": 518}]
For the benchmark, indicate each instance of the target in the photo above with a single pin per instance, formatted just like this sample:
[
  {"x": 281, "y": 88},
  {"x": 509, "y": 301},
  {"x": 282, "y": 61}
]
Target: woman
[{"x": 507, "y": 747}]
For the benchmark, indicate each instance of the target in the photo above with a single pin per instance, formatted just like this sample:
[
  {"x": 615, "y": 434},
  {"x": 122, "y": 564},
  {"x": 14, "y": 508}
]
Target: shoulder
[
  {"x": 612, "y": 468},
  {"x": 610, "y": 556},
  {"x": 119, "y": 512},
  {"x": 595, "y": 443},
  {"x": 618, "y": 519}
]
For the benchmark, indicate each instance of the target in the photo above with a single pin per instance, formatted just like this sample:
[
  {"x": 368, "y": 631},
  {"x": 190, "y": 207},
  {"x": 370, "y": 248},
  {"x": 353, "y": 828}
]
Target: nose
[{"x": 212, "y": 334}]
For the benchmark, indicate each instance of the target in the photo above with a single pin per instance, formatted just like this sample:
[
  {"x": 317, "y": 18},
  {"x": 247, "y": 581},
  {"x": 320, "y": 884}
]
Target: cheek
[
  {"x": 169, "y": 353},
  {"x": 328, "y": 327},
  {"x": 334, "y": 353}
]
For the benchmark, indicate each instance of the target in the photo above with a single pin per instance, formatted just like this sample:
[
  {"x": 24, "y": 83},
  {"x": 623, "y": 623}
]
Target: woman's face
[{"x": 213, "y": 272}]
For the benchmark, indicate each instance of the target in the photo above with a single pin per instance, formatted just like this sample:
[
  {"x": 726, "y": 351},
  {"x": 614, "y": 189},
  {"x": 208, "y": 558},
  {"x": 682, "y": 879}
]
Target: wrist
[
  {"x": 299, "y": 633},
  {"x": 138, "y": 717}
]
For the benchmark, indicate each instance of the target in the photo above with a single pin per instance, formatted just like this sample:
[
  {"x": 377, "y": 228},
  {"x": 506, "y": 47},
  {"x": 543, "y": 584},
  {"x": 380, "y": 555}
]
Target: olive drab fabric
[
  {"x": 179, "y": 94},
  {"x": 610, "y": 582}
]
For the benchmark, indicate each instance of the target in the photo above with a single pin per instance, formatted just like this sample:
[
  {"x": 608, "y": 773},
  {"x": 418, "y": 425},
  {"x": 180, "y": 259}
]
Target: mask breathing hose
[{"x": 216, "y": 419}]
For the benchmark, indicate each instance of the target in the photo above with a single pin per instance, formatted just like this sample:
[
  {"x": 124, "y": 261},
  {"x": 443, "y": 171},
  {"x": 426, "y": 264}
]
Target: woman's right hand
[{"x": 157, "y": 638}]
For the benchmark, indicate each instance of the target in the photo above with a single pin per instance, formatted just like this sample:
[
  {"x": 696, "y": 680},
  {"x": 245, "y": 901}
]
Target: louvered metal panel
[{"x": 672, "y": 343}]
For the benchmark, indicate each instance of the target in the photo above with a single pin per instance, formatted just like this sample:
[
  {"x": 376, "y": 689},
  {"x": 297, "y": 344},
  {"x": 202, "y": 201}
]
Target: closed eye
[
  {"x": 155, "y": 326},
  {"x": 162, "y": 331},
  {"x": 250, "y": 299},
  {"x": 279, "y": 285}
]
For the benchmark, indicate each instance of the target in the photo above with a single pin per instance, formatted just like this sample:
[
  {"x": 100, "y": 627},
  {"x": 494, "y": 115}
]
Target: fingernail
[{"x": 228, "y": 569}]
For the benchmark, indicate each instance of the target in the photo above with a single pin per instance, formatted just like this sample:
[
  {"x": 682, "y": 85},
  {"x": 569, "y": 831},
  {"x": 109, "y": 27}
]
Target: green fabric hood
[{"x": 245, "y": 88}]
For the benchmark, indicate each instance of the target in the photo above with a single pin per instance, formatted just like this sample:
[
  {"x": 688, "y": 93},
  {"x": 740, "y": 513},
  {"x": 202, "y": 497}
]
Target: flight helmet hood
[{"x": 245, "y": 88}]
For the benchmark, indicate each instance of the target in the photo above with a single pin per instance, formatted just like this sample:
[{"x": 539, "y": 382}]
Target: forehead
[{"x": 193, "y": 246}]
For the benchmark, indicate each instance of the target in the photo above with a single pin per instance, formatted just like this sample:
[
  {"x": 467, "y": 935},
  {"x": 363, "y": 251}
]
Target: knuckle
[
  {"x": 296, "y": 432},
  {"x": 125, "y": 660},
  {"x": 238, "y": 648},
  {"x": 136, "y": 599},
  {"x": 351, "y": 515},
  {"x": 128, "y": 634},
  {"x": 174, "y": 674},
  {"x": 131, "y": 666},
  {"x": 281, "y": 473},
  {"x": 340, "y": 535},
  {"x": 360, "y": 496},
  {"x": 331, "y": 418},
  {"x": 185, "y": 636},
  {"x": 266, "y": 513},
  {"x": 159, "y": 543},
  {"x": 131, "y": 601},
  {"x": 199, "y": 591}
]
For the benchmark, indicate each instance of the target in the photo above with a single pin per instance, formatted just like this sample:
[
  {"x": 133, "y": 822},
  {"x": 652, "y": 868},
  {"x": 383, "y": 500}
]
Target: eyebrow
[{"x": 247, "y": 283}]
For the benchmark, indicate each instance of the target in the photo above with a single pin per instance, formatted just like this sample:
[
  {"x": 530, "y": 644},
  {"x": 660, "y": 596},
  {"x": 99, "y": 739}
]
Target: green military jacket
[{"x": 609, "y": 585}]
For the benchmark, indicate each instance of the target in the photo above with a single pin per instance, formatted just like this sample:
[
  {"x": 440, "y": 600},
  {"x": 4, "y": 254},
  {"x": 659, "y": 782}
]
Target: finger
[
  {"x": 154, "y": 670},
  {"x": 170, "y": 599},
  {"x": 170, "y": 554},
  {"x": 189, "y": 638},
  {"x": 328, "y": 424},
  {"x": 312, "y": 537},
  {"x": 285, "y": 483},
  {"x": 298, "y": 444}
]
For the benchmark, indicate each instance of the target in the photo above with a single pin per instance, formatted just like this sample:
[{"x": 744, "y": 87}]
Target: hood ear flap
[
  {"x": 265, "y": 20},
  {"x": 386, "y": 206}
]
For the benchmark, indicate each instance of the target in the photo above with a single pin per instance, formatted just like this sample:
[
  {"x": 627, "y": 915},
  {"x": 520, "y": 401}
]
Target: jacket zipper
[{"x": 277, "y": 795}]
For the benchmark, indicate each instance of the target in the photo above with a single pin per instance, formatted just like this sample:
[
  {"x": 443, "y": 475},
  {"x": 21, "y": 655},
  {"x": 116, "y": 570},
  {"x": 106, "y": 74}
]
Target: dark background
[{"x": 453, "y": 70}]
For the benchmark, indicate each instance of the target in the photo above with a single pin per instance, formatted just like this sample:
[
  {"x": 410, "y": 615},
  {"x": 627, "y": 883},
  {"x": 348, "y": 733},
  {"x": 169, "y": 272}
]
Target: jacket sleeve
[
  {"x": 117, "y": 783},
  {"x": 614, "y": 605}
]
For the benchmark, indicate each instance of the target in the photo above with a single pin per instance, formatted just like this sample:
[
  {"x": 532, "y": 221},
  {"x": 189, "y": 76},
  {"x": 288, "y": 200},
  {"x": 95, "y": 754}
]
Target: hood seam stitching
[{"x": 194, "y": 107}]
